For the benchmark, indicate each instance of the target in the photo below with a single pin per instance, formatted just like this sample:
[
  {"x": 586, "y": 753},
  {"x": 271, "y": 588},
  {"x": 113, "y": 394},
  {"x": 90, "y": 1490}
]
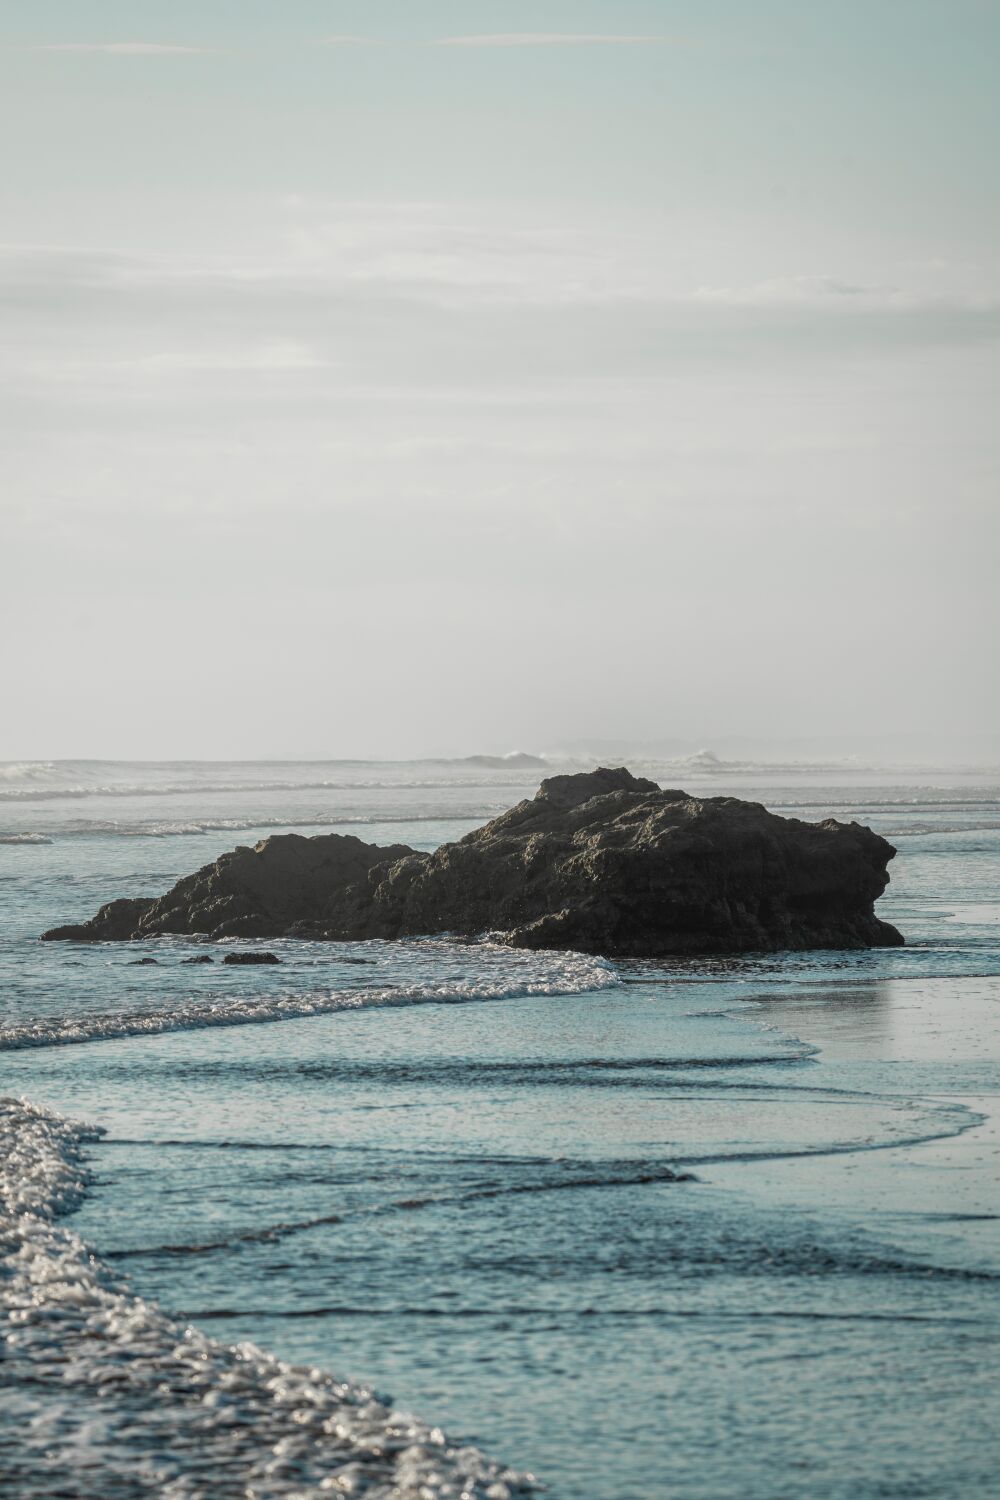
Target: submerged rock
[
  {"x": 251, "y": 958},
  {"x": 603, "y": 862}
]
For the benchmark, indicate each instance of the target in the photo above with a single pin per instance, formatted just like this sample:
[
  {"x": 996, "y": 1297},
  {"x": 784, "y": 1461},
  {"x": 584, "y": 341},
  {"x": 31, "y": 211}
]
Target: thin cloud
[
  {"x": 348, "y": 41},
  {"x": 787, "y": 291},
  {"x": 549, "y": 39},
  {"x": 404, "y": 299},
  {"x": 123, "y": 49}
]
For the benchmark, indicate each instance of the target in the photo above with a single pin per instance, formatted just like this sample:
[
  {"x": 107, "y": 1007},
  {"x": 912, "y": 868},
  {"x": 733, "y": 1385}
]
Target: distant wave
[
  {"x": 159, "y": 828},
  {"x": 199, "y": 788},
  {"x": 141, "y": 1394},
  {"x": 37, "y": 781},
  {"x": 517, "y": 973},
  {"x": 26, "y": 770},
  {"x": 933, "y": 798}
]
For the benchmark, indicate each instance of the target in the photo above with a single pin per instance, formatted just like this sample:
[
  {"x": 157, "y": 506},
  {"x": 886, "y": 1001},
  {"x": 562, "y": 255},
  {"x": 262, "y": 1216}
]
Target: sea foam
[
  {"x": 116, "y": 1396},
  {"x": 490, "y": 971}
]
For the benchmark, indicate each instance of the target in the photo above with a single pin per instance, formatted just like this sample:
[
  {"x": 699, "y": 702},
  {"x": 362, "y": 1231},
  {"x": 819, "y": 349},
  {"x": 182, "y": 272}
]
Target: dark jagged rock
[
  {"x": 603, "y": 862},
  {"x": 251, "y": 958},
  {"x": 118, "y": 919},
  {"x": 202, "y": 958},
  {"x": 260, "y": 892},
  {"x": 608, "y": 863}
]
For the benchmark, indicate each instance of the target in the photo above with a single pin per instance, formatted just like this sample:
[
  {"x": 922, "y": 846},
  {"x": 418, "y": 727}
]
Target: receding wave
[
  {"x": 155, "y": 1405},
  {"x": 517, "y": 975},
  {"x": 562, "y": 1315},
  {"x": 613, "y": 1175},
  {"x": 621, "y": 1074}
]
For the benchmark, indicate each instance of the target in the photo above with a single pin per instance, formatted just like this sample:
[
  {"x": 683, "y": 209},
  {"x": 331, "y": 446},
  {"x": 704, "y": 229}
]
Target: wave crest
[{"x": 501, "y": 974}]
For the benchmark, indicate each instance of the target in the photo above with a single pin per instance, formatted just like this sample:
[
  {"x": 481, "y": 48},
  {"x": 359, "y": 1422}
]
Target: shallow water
[{"x": 708, "y": 1229}]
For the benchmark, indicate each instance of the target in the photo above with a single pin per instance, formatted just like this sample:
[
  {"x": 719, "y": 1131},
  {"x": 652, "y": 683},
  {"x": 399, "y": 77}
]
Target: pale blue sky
[{"x": 523, "y": 373}]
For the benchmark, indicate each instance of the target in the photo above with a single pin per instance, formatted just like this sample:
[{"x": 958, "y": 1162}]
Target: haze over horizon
[{"x": 387, "y": 378}]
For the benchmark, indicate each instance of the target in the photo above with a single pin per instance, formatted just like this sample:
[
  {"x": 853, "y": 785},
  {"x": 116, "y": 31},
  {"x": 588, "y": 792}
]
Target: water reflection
[{"x": 859, "y": 1020}]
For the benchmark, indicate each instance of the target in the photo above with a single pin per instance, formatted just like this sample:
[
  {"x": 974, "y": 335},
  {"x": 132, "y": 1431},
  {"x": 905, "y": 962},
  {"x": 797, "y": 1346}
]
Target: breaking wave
[
  {"x": 26, "y": 770},
  {"x": 114, "y": 1398},
  {"x": 502, "y": 974},
  {"x": 37, "y": 781}
]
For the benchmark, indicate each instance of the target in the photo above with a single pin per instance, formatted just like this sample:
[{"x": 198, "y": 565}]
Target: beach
[{"x": 710, "y": 1227}]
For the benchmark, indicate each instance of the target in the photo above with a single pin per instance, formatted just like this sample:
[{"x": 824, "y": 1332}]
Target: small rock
[
  {"x": 251, "y": 958},
  {"x": 139, "y": 963},
  {"x": 202, "y": 958}
]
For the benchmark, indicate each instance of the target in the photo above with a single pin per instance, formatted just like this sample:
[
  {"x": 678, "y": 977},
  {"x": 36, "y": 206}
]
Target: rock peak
[{"x": 572, "y": 791}]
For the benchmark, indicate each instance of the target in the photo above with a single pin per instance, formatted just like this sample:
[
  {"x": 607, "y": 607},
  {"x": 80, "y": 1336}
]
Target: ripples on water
[{"x": 645, "y": 1230}]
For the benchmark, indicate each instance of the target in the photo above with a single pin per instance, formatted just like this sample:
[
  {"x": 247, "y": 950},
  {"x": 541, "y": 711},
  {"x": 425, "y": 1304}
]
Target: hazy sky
[{"x": 389, "y": 376}]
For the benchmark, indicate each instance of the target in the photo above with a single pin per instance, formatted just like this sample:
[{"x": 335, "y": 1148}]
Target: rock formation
[
  {"x": 258, "y": 892},
  {"x": 603, "y": 862}
]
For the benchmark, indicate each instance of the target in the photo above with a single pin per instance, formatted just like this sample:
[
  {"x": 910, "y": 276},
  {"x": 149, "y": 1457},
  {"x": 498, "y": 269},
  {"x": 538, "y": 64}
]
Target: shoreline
[
  {"x": 296, "y": 1425},
  {"x": 383, "y": 1187}
]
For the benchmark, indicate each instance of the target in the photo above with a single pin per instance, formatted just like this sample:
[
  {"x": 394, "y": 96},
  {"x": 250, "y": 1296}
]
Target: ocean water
[{"x": 431, "y": 1218}]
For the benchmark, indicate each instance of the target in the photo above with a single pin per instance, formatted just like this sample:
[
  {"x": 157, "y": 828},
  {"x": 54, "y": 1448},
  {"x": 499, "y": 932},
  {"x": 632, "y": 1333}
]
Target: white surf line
[
  {"x": 220, "y": 1010},
  {"x": 100, "y": 1368}
]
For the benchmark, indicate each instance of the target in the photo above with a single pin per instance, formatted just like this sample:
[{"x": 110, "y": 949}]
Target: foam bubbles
[
  {"x": 111, "y": 1388},
  {"x": 424, "y": 972}
]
